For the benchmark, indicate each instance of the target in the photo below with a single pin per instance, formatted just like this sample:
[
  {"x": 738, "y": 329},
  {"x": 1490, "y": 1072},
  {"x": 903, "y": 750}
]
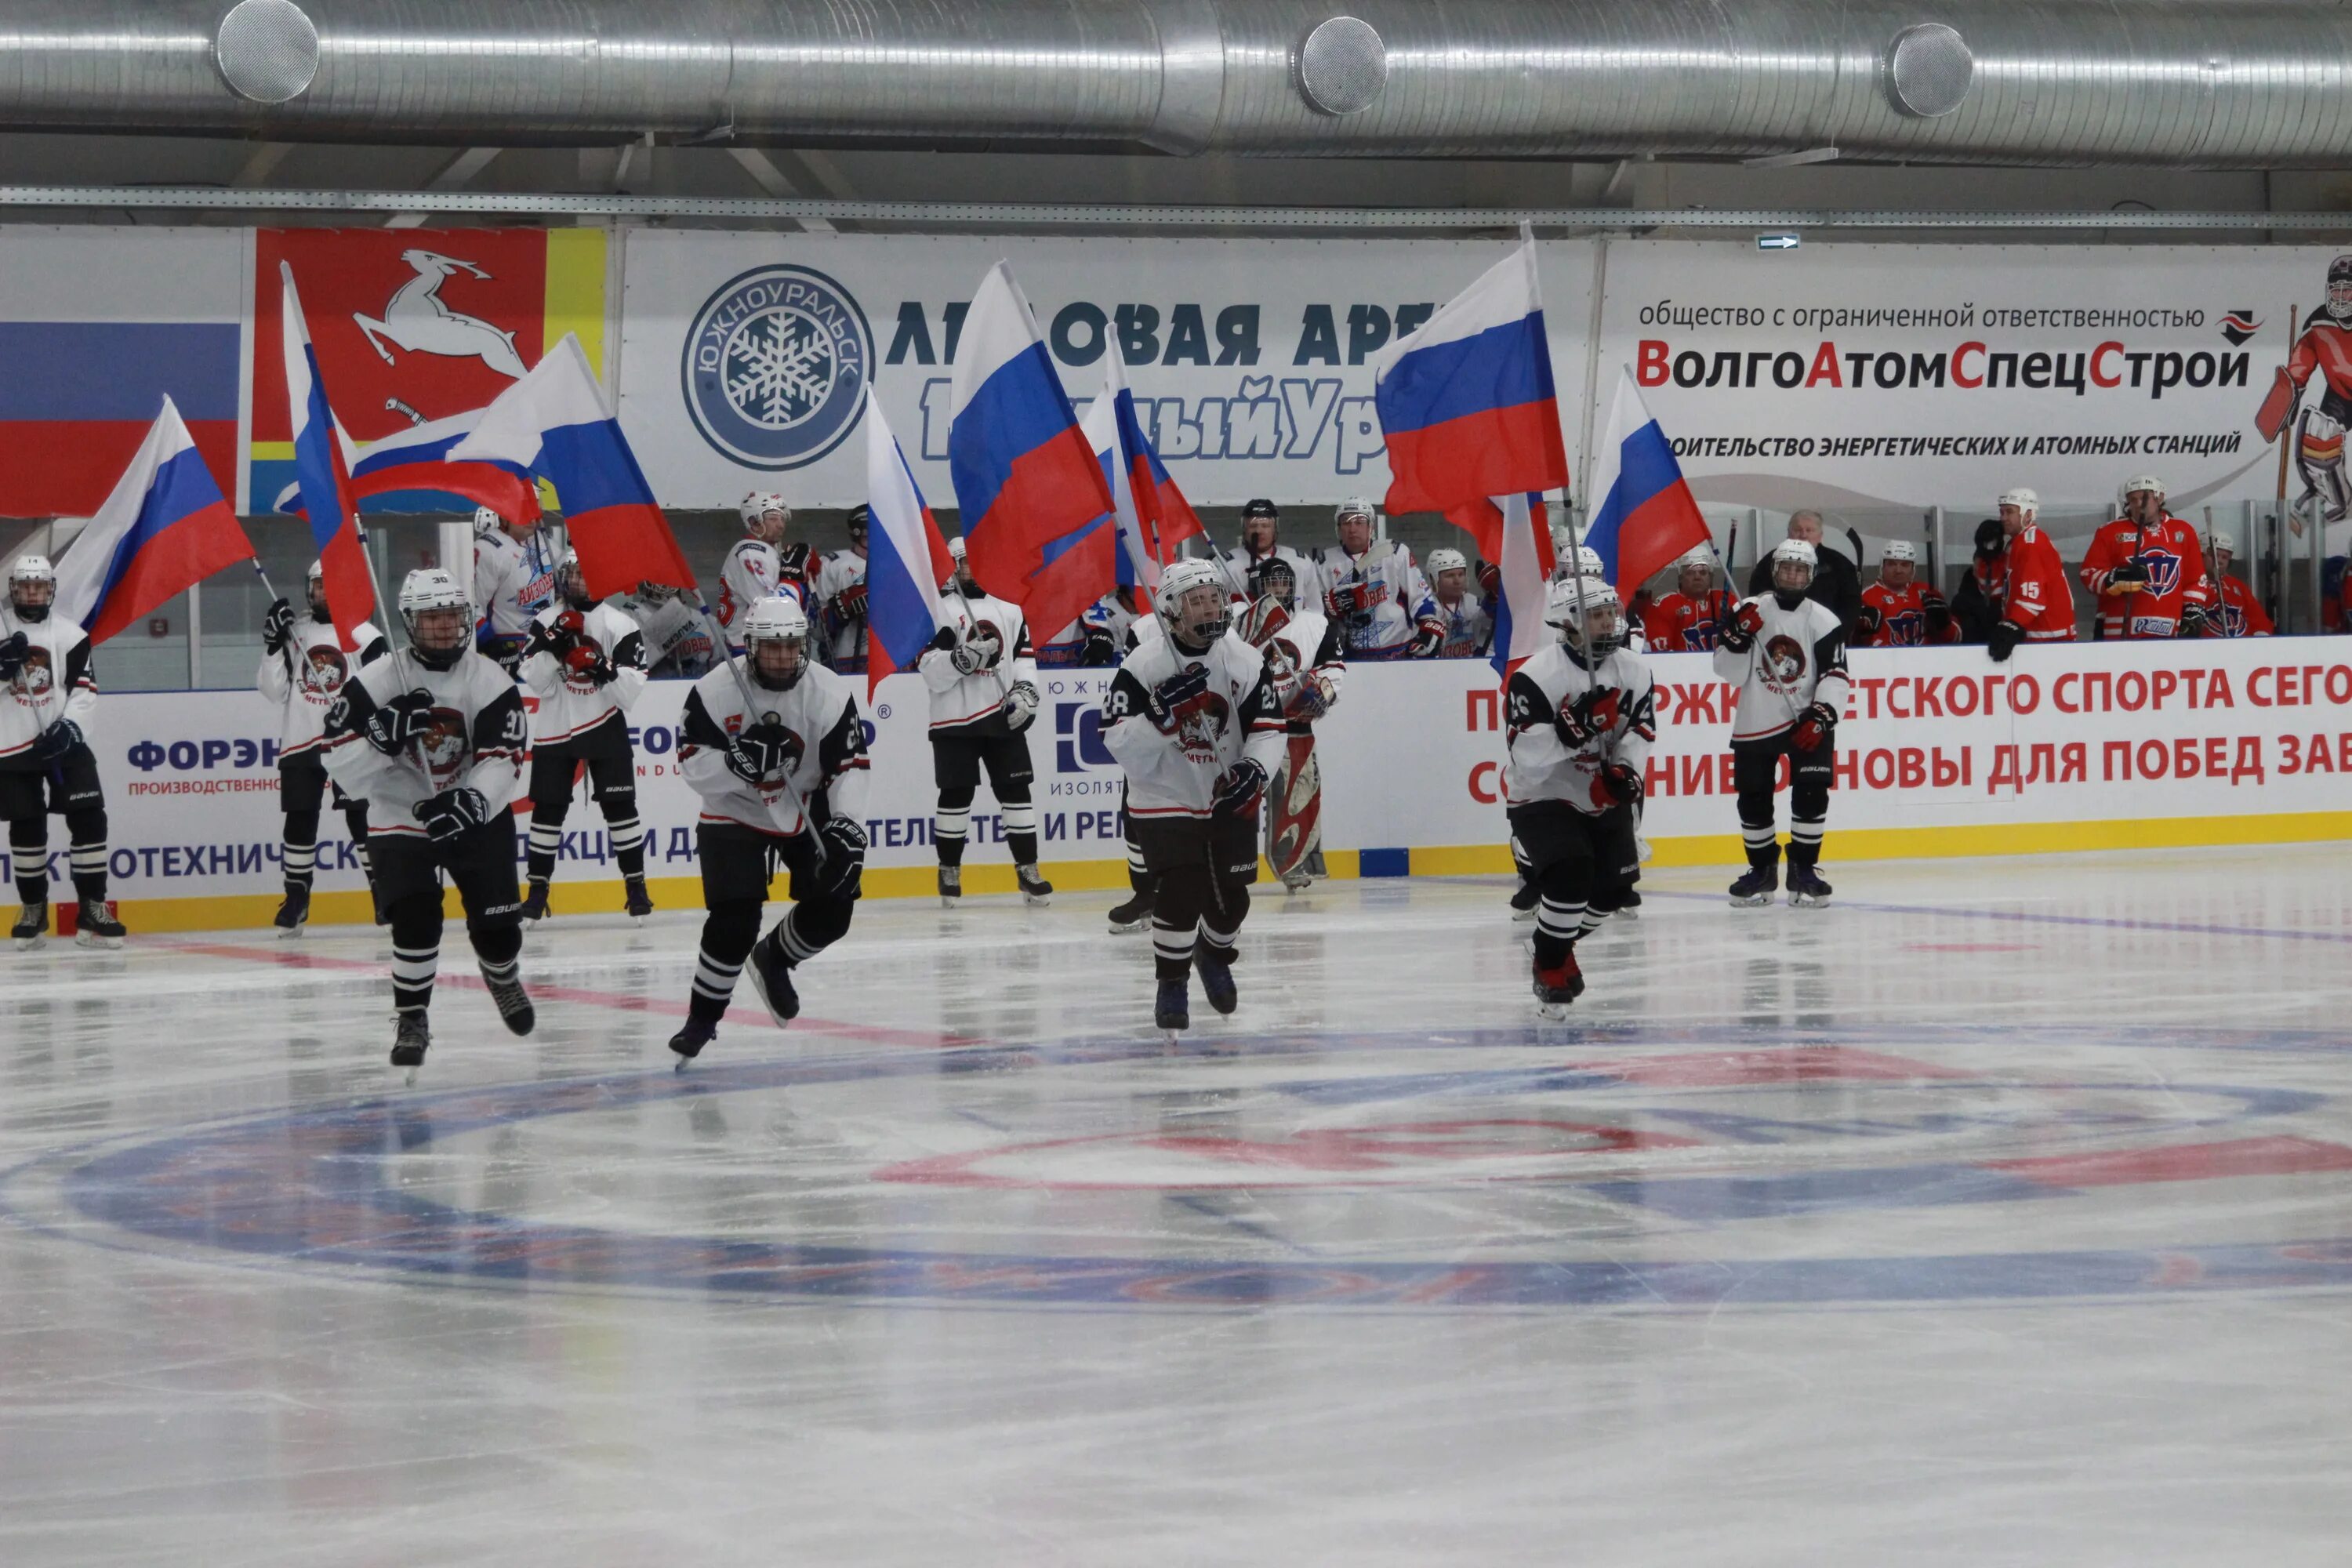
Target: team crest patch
[{"x": 776, "y": 367}]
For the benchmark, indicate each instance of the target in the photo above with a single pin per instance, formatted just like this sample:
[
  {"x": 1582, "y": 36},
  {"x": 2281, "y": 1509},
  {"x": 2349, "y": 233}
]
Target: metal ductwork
[{"x": 2192, "y": 83}]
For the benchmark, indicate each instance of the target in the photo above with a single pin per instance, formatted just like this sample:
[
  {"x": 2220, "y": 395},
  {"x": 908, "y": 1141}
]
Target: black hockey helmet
[
  {"x": 1275, "y": 578},
  {"x": 1265, "y": 508}
]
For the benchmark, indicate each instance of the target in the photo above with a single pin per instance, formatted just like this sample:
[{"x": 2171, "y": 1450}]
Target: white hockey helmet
[
  {"x": 314, "y": 589},
  {"x": 1354, "y": 506},
  {"x": 759, "y": 505},
  {"x": 1900, "y": 550},
  {"x": 1587, "y": 613},
  {"x": 1195, "y": 626},
  {"x": 2142, "y": 482},
  {"x": 955, "y": 550},
  {"x": 1588, "y": 561},
  {"x": 1792, "y": 554},
  {"x": 779, "y": 622},
  {"x": 571, "y": 583},
  {"x": 1702, "y": 557},
  {"x": 429, "y": 591},
  {"x": 2221, "y": 543},
  {"x": 33, "y": 572},
  {"x": 2022, "y": 499},
  {"x": 1443, "y": 558}
]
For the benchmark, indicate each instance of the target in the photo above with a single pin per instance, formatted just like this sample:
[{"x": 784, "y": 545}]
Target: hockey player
[
  {"x": 2147, "y": 570},
  {"x": 839, "y": 594},
  {"x": 1375, "y": 592},
  {"x": 1306, "y": 665},
  {"x": 1108, "y": 625},
  {"x": 303, "y": 669},
  {"x": 2026, "y": 587},
  {"x": 776, "y": 746},
  {"x": 585, "y": 662},
  {"x": 2237, "y": 613},
  {"x": 1191, "y": 717},
  {"x": 761, "y": 564},
  {"x": 1261, "y": 528},
  {"x": 1898, "y": 610},
  {"x": 1469, "y": 630},
  {"x": 983, "y": 683},
  {"x": 514, "y": 579},
  {"x": 1582, "y": 714},
  {"x": 47, "y": 694},
  {"x": 433, "y": 741},
  {"x": 1786, "y": 652},
  {"x": 1689, "y": 619},
  {"x": 676, "y": 639}
]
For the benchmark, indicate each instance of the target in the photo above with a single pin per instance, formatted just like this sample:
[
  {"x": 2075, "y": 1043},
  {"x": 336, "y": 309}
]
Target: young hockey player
[
  {"x": 514, "y": 579},
  {"x": 983, "y": 684},
  {"x": 1305, "y": 666},
  {"x": 585, "y": 662},
  {"x": 774, "y": 744},
  {"x": 1581, "y": 719},
  {"x": 432, "y": 739},
  {"x": 47, "y": 694},
  {"x": 1786, "y": 653},
  {"x": 303, "y": 669}
]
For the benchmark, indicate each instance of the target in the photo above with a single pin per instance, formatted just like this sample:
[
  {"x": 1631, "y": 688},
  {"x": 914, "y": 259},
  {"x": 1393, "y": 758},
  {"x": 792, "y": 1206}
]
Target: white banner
[
  {"x": 1934, "y": 738},
  {"x": 744, "y": 354},
  {"x": 1868, "y": 376}
]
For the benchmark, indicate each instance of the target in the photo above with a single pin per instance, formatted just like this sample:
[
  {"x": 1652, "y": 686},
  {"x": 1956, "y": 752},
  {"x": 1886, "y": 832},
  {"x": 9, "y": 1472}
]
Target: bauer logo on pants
[{"x": 776, "y": 366}]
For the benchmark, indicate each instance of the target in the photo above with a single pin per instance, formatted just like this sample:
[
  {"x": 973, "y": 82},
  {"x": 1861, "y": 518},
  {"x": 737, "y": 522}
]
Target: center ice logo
[{"x": 776, "y": 366}]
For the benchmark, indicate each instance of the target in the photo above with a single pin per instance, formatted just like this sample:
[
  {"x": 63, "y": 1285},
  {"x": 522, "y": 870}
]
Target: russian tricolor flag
[
  {"x": 166, "y": 527},
  {"x": 1642, "y": 514},
  {"x": 414, "y": 464},
  {"x": 553, "y": 424},
  {"x": 1036, "y": 507},
  {"x": 906, "y": 560},
  {"x": 320, "y": 470},
  {"x": 1467, "y": 402},
  {"x": 1153, "y": 515}
]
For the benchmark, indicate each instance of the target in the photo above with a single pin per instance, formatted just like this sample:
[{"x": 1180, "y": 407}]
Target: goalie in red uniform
[
  {"x": 1306, "y": 663},
  {"x": 1898, "y": 610},
  {"x": 2324, "y": 349}
]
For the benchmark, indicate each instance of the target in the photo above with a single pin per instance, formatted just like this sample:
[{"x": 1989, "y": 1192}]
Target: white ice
[{"x": 2001, "y": 1213}]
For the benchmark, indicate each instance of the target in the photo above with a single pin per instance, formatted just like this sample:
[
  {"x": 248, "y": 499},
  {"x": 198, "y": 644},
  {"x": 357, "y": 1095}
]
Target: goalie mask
[
  {"x": 2339, "y": 287},
  {"x": 439, "y": 618},
  {"x": 775, "y": 642},
  {"x": 1273, "y": 578},
  {"x": 1192, "y": 605},
  {"x": 1587, "y": 616},
  {"x": 32, "y": 588}
]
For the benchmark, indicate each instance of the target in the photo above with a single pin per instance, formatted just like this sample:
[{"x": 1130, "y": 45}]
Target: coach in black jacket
[{"x": 1837, "y": 581}]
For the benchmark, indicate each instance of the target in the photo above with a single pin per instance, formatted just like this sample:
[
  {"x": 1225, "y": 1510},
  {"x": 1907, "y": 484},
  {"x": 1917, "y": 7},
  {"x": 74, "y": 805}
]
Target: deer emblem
[{"x": 416, "y": 319}]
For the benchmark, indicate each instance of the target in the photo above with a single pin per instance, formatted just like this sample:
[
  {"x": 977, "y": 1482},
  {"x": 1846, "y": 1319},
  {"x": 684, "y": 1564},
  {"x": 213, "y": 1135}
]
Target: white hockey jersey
[
  {"x": 512, "y": 581},
  {"x": 825, "y": 748},
  {"x": 1797, "y": 658},
  {"x": 570, "y": 704},
  {"x": 55, "y": 683},
  {"x": 1305, "y": 649},
  {"x": 974, "y": 704},
  {"x": 305, "y": 679},
  {"x": 1173, "y": 773},
  {"x": 1469, "y": 630},
  {"x": 676, "y": 636},
  {"x": 1377, "y": 598},
  {"x": 1543, "y": 765},
  {"x": 1236, "y": 565},
  {"x": 479, "y": 737},
  {"x": 839, "y": 610}
]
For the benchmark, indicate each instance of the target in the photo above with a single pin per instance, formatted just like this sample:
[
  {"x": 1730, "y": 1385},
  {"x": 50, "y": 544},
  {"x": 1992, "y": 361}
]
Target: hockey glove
[
  {"x": 544, "y": 638},
  {"x": 1739, "y": 632},
  {"x": 1428, "y": 637},
  {"x": 2194, "y": 622},
  {"x": 792, "y": 562},
  {"x": 1173, "y": 693},
  {"x": 845, "y": 856},
  {"x": 2128, "y": 577},
  {"x": 1490, "y": 579},
  {"x": 943, "y": 640},
  {"x": 1590, "y": 713},
  {"x": 585, "y": 659},
  {"x": 1313, "y": 699},
  {"x": 278, "y": 626},
  {"x": 2006, "y": 636},
  {"x": 850, "y": 603},
  {"x": 405, "y": 717},
  {"x": 1351, "y": 602},
  {"x": 1239, "y": 788},
  {"x": 1617, "y": 785},
  {"x": 15, "y": 649},
  {"x": 1101, "y": 650},
  {"x": 1939, "y": 619},
  {"x": 502, "y": 649},
  {"x": 1019, "y": 706},
  {"x": 57, "y": 740},
  {"x": 1869, "y": 621},
  {"x": 1815, "y": 726},
  {"x": 760, "y": 751},
  {"x": 453, "y": 812}
]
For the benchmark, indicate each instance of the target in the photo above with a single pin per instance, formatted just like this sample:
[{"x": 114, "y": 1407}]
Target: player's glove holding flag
[
  {"x": 1019, "y": 706},
  {"x": 15, "y": 649},
  {"x": 1173, "y": 693},
  {"x": 1815, "y": 725},
  {"x": 1587, "y": 715},
  {"x": 453, "y": 812},
  {"x": 56, "y": 740},
  {"x": 1740, "y": 632},
  {"x": 845, "y": 856},
  {"x": 1617, "y": 785},
  {"x": 758, "y": 751},
  {"x": 1239, "y": 787},
  {"x": 278, "y": 626},
  {"x": 407, "y": 717}
]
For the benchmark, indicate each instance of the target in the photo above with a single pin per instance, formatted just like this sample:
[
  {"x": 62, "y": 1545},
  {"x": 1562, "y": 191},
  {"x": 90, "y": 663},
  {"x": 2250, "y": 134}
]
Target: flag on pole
[
  {"x": 906, "y": 560},
  {"x": 1642, "y": 513},
  {"x": 1467, "y": 402},
  {"x": 553, "y": 424},
  {"x": 166, "y": 527},
  {"x": 321, "y": 471},
  {"x": 1514, "y": 532},
  {"x": 1036, "y": 506},
  {"x": 415, "y": 462},
  {"x": 1153, "y": 515}
]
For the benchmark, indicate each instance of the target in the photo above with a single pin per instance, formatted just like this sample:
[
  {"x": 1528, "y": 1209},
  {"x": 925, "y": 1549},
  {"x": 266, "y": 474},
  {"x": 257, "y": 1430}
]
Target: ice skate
[
  {"x": 1556, "y": 988},
  {"x": 951, "y": 886},
  {"x": 1755, "y": 888},
  {"x": 771, "y": 977},
  {"x": 1628, "y": 904},
  {"x": 641, "y": 902},
  {"x": 1296, "y": 881},
  {"x": 534, "y": 902},
  {"x": 514, "y": 1003},
  {"x": 94, "y": 927},
  {"x": 1132, "y": 915},
  {"x": 1171, "y": 1009},
  {"x": 294, "y": 914},
  {"x": 1034, "y": 888},
  {"x": 31, "y": 930},
  {"x": 1806, "y": 888},
  {"x": 411, "y": 1040},
  {"x": 1524, "y": 899},
  {"x": 690, "y": 1040},
  {"x": 1216, "y": 971}
]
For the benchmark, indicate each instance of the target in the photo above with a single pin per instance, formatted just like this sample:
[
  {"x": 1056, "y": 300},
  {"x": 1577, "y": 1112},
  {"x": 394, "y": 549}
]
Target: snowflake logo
[{"x": 781, "y": 367}]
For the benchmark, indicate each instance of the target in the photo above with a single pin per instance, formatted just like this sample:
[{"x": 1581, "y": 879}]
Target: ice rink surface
[{"x": 2000, "y": 1214}]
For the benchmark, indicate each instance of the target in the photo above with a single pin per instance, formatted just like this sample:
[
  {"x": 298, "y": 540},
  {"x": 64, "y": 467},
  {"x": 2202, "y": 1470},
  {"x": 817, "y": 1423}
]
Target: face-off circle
[{"x": 1636, "y": 1167}]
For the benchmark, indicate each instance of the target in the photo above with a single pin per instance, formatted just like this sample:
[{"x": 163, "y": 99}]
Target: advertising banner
[
  {"x": 1942, "y": 752},
  {"x": 745, "y": 356},
  {"x": 1870, "y": 376}
]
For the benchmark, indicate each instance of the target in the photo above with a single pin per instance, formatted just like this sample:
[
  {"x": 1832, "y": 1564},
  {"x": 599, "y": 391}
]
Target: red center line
[{"x": 620, "y": 1001}]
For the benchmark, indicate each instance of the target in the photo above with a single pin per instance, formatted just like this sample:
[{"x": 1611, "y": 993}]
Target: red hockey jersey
[
  {"x": 1680, "y": 624},
  {"x": 2038, "y": 599},
  {"x": 2176, "y": 577},
  {"x": 2241, "y": 614},
  {"x": 1903, "y": 616}
]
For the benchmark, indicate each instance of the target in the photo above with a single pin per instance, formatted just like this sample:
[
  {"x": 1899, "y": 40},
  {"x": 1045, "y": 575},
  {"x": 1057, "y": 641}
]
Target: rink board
[{"x": 1942, "y": 752}]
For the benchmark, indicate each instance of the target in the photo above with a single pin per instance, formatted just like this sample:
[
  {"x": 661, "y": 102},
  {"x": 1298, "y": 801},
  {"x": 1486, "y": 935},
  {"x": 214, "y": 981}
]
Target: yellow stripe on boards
[{"x": 576, "y": 262}]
